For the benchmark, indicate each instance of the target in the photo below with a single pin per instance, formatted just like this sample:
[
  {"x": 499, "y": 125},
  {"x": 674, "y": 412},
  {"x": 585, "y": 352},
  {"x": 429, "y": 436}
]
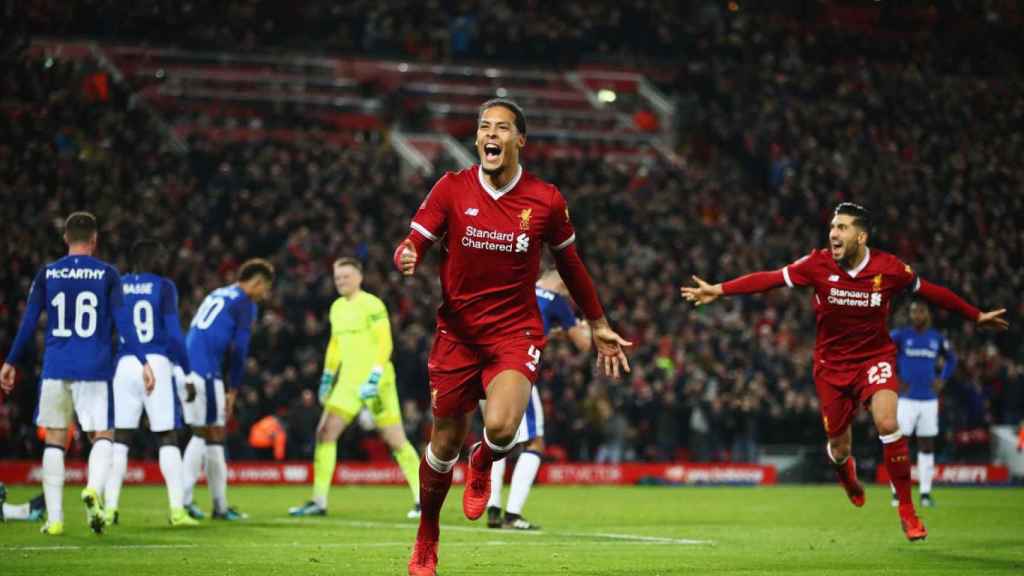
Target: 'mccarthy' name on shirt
[
  {"x": 140, "y": 288},
  {"x": 841, "y": 297},
  {"x": 75, "y": 273}
]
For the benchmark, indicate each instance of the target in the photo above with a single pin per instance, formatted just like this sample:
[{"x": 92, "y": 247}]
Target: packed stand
[{"x": 802, "y": 127}]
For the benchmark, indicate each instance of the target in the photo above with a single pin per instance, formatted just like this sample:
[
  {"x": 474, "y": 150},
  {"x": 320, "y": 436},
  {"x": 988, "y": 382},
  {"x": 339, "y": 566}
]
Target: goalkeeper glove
[
  {"x": 326, "y": 383},
  {"x": 369, "y": 388}
]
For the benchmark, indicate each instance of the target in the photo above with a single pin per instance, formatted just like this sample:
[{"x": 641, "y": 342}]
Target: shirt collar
[
  {"x": 504, "y": 189},
  {"x": 860, "y": 267}
]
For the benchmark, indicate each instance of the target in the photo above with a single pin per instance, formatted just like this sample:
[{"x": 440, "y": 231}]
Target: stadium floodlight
[{"x": 606, "y": 95}]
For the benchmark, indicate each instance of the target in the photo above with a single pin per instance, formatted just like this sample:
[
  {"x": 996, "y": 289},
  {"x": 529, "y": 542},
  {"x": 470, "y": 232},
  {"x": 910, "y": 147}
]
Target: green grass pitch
[{"x": 587, "y": 530}]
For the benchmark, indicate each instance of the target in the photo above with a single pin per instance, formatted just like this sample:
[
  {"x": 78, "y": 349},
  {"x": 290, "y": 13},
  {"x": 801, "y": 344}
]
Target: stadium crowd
[{"x": 772, "y": 143}]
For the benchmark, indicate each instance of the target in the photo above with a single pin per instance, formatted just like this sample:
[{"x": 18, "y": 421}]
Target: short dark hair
[
  {"x": 510, "y": 105},
  {"x": 79, "y": 227},
  {"x": 256, "y": 267},
  {"x": 860, "y": 214},
  {"x": 145, "y": 256},
  {"x": 349, "y": 261}
]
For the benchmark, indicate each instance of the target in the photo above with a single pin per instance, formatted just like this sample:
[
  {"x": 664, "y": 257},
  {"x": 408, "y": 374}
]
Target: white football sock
[
  {"x": 171, "y": 468},
  {"x": 523, "y": 476},
  {"x": 497, "y": 479},
  {"x": 99, "y": 464},
  {"x": 53, "y": 483},
  {"x": 118, "y": 467},
  {"x": 925, "y": 471},
  {"x": 192, "y": 464},
  {"x": 16, "y": 511},
  {"x": 217, "y": 477},
  {"x": 438, "y": 465}
]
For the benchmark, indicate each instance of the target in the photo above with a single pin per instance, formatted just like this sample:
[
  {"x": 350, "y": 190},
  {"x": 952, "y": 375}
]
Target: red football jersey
[
  {"x": 491, "y": 249},
  {"x": 852, "y": 307}
]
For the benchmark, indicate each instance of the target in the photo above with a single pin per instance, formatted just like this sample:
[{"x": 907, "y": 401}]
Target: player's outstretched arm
[
  {"x": 993, "y": 320},
  {"x": 946, "y": 298},
  {"x": 704, "y": 293}
]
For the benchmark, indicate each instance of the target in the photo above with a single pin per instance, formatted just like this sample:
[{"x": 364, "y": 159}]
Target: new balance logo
[
  {"x": 833, "y": 278},
  {"x": 472, "y": 211}
]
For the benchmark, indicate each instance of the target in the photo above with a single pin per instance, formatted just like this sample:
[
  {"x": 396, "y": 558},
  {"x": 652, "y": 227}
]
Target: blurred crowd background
[{"x": 778, "y": 117}]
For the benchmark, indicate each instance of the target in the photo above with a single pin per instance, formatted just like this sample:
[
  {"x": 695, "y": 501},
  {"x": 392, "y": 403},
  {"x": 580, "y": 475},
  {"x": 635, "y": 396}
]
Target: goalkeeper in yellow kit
[{"x": 357, "y": 373}]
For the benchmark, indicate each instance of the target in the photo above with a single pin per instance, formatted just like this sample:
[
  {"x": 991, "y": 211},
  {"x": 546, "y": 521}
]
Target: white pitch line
[
  {"x": 605, "y": 535},
  {"x": 615, "y": 538},
  {"x": 406, "y": 525},
  {"x": 638, "y": 538},
  {"x": 59, "y": 547}
]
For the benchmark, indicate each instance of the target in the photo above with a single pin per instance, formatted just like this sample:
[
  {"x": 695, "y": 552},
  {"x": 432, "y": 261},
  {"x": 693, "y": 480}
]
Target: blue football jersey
[
  {"x": 221, "y": 327},
  {"x": 918, "y": 359},
  {"x": 554, "y": 310},
  {"x": 151, "y": 307},
  {"x": 82, "y": 298}
]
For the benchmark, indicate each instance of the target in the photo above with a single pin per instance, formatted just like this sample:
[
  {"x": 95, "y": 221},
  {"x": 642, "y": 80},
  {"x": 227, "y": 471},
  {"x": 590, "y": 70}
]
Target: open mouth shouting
[
  {"x": 837, "y": 248},
  {"x": 492, "y": 153}
]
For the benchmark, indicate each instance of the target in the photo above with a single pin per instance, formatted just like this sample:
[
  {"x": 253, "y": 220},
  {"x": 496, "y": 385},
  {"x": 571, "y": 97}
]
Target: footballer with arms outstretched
[
  {"x": 854, "y": 357},
  {"x": 491, "y": 220}
]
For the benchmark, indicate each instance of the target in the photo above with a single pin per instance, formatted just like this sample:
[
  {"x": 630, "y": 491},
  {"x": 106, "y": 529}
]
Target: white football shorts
[
  {"x": 207, "y": 409},
  {"x": 532, "y": 425},
  {"x": 918, "y": 417},
  {"x": 91, "y": 401},
  {"x": 162, "y": 406}
]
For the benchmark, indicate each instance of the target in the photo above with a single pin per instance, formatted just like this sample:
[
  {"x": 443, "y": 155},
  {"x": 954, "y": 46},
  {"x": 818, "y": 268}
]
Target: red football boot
[
  {"x": 424, "y": 558},
  {"x": 912, "y": 526},
  {"x": 478, "y": 485},
  {"x": 847, "y": 474}
]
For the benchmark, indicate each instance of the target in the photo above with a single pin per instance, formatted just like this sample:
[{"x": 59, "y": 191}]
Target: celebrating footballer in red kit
[
  {"x": 854, "y": 357},
  {"x": 492, "y": 220}
]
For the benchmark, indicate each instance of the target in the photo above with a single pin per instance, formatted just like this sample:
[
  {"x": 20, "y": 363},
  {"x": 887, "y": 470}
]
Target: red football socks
[
  {"x": 482, "y": 457},
  {"x": 847, "y": 472},
  {"x": 897, "y": 462},
  {"x": 434, "y": 487}
]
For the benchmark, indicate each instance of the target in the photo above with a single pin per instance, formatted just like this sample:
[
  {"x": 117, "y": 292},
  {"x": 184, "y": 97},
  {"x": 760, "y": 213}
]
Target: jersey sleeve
[
  {"x": 431, "y": 219},
  {"x": 175, "y": 339},
  {"x": 33, "y": 308},
  {"x": 904, "y": 276},
  {"x": 380, "y": 326},
  {"x": 799, "y": 273},
  {"x": 245, "y": 315},
  {"x": 560, "y": 232},
  {"x": 562, "y": 313},
  {"x": 949, "y": 366},
  {"x": 332, "y": 357},
  {"x": 896, "y": 335}
]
